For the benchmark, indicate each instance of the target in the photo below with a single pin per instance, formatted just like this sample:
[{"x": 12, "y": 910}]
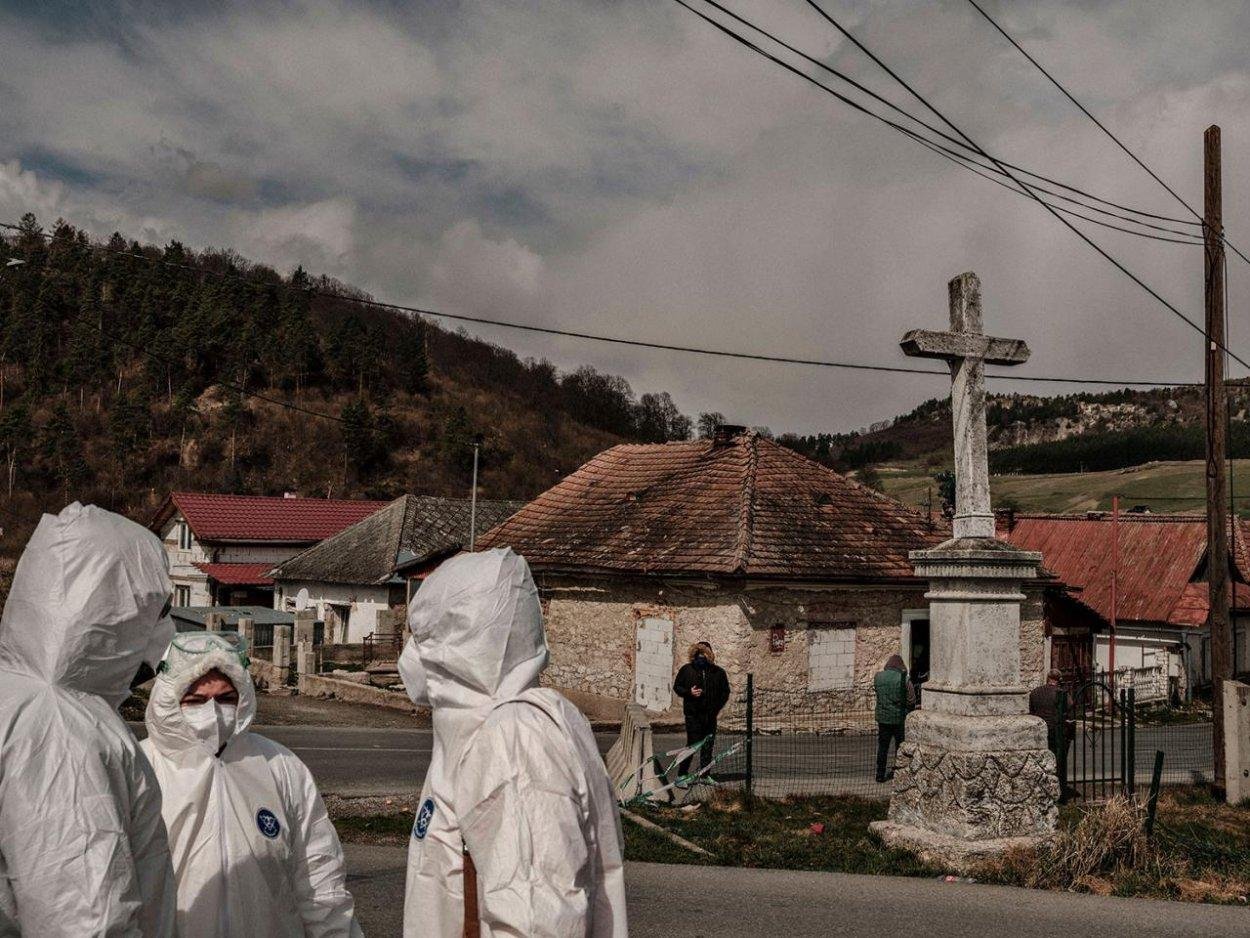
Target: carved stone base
[
  {"x": 948, "y": 853},
  {"x": 972, "y": 786}
]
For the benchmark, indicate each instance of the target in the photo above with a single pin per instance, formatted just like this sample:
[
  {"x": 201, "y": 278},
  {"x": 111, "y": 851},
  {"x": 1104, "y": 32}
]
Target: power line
[
  {"x": 964, "y": 146},
  {"x": 972, "y": 167},
  {"x": 1099, "y": 124},
  {"x": 1050, "y": 208},
  {"x": 1067, "y": 224},
  {"x": 594, "y": 337}
]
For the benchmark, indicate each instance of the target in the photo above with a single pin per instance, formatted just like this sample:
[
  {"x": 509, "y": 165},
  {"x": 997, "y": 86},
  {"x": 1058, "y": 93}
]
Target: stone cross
[{"x": 967, "y": 350}]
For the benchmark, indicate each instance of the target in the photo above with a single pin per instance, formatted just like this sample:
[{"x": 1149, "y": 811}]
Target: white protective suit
[
  {"x": 82, "y": 847},
  {"x": 515, "y": 775},
  {"x": 254, "y": 851}
]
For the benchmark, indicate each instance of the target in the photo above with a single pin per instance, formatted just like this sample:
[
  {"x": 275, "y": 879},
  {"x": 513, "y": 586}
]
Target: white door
[{"x": 653, "y": 664}]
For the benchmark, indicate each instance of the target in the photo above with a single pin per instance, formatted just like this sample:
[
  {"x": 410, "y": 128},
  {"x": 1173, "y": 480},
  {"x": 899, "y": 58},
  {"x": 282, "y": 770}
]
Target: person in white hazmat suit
[
  {"x": 254, "y": 851},
  {"x": 82, "y": 847},
  {"x": 515, "y": 777}
]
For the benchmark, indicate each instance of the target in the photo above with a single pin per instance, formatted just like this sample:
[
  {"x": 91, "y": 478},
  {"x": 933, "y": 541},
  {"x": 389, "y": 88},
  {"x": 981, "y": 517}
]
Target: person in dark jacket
[
  {"x": 894, "y": 694},
  {"x": 704, "y": 690},
  {"x": 1044, "y": 703}
]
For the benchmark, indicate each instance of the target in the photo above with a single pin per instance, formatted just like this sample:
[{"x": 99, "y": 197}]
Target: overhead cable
[
  {"x": 1077, "y": 231},
  {"x": 1101, "y": 126},
  {"x": 962, "y": 145}
]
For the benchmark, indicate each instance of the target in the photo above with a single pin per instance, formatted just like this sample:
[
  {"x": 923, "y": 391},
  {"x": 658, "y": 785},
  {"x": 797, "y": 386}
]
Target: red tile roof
[
  {"x": 1159, "y": 558},
  {"x": 746, "y": 507},
  {"x": 263, "y": 519},
  {"x": 238, "y": 574}
]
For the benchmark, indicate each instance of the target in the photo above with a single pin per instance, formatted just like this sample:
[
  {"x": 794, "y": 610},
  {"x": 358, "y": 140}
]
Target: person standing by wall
[
  {"x": 891, "y": 686},
  {"x": 703, "y": 688}
]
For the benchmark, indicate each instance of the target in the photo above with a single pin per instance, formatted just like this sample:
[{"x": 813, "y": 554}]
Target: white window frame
[
  {"x": 184, "y": 536},
  {"x": 182, "y": 595}
]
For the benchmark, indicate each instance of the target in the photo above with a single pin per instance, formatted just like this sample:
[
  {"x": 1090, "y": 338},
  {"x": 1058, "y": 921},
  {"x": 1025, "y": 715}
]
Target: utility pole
[
  {"x": 1220, "y": 629},
  {"x": 477, "y": 446},
  {"x": 1115, "y": 586}
]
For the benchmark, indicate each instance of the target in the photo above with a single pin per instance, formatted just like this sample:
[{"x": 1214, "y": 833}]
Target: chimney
[{"x": 725, "y": 433}]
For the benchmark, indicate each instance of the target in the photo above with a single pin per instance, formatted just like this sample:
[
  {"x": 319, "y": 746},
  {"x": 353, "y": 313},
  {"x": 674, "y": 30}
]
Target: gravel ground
[{"x": 314, "y": 711}]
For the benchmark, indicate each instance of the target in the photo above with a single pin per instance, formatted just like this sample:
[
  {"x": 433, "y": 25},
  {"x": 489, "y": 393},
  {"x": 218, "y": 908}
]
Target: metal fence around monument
[
  {"x": 1095, "y": 742},
  {"x": 779, "y": 743},
  {"x": 1110, "y": 739}
]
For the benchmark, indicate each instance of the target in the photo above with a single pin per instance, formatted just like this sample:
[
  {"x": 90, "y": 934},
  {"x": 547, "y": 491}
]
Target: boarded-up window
[{"x": 830, "y": 655}]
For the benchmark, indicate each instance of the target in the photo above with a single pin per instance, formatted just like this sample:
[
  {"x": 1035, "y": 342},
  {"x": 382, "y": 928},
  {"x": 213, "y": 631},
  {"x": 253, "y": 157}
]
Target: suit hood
[
  {"x": 477, "y": 632},
  {"x": 85, "y": 607},
  {"x": 167, "y": 726}
]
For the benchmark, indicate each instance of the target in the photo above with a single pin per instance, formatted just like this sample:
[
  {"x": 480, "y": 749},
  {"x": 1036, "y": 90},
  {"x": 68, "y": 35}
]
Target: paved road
[
  {"x": 715, "y": 902},
  {"x": 359, "y": 760}
]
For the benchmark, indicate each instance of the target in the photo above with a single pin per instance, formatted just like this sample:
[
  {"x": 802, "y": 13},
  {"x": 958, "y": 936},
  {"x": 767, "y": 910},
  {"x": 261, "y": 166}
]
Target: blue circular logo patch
[
  {"x": 267, "y": 823},
  {"x": 424, "y": 817}
]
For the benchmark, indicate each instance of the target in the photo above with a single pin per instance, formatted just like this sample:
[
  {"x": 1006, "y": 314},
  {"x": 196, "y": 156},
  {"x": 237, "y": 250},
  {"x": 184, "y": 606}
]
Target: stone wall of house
[
  {"x": 765, "y": 630},
  {"x": 1032, "y": 639}
]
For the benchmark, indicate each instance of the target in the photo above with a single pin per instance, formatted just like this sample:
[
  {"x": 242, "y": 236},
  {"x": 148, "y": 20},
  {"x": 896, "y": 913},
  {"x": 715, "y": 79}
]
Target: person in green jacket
[{"x": 893, "y": 700}]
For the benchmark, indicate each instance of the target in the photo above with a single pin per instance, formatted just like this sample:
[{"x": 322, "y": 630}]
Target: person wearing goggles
[{"x": 253, "y": 849}]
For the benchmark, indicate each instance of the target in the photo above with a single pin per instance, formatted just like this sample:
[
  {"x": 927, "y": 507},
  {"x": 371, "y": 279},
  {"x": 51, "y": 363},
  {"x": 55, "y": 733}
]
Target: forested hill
[
  {"x": 127, "y": 370},
  {"x": 1030, "y": 434}
]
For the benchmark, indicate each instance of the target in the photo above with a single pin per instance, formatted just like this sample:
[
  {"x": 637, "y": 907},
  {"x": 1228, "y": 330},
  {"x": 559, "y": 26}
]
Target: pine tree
[
  {"x": 63, "y": 451},
  {"x": 411, "y": 361}
]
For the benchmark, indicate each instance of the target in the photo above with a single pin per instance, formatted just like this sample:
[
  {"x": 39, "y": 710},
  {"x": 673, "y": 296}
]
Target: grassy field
[
  {"x": 1163, "y": 487},
  {"x": 1201, "y": 852}
]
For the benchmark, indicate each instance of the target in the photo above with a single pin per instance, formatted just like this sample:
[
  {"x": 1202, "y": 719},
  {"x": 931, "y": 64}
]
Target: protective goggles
[{"x": 189, "y": 647}]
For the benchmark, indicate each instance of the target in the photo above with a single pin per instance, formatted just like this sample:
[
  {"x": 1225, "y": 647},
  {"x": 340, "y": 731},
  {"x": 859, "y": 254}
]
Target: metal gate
[{"x": 1096, "y": 739}]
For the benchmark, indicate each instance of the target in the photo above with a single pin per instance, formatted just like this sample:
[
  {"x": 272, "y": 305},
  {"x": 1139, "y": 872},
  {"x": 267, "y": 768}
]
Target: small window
[
  {"x": 182, "y": 596},
  {"x": 830, "y": 656},
  {"x": 184, "y": 536}
]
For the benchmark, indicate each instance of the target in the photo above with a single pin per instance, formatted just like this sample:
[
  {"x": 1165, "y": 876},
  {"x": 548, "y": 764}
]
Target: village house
[
  {"x": 222, "y": 547},
  {"x": 366, "y": 568},
  {"x": 792, "y": 572},
  {"x": 1156, "y": 591}
]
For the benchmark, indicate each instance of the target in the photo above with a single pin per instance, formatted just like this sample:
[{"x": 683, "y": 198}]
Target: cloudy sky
[{"x": 621, "y": 167}]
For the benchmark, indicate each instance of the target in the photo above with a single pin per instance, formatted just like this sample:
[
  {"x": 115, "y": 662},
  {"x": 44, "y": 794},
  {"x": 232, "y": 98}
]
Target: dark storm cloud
[{"x": 622, "y": 167}]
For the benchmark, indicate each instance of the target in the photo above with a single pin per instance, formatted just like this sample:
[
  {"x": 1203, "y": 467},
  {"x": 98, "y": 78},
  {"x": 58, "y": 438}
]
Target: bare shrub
[{"x": 1106, "y": 844}]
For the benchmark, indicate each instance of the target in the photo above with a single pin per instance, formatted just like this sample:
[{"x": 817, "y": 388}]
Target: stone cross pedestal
[{"x": 975, "y": 775}]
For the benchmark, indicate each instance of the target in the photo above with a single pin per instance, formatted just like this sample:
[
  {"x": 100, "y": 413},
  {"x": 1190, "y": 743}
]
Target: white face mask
[{"x": 212, "y": 722}]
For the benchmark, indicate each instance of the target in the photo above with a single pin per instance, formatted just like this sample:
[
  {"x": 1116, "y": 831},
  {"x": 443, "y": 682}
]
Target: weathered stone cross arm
[
  {"x": 955, "y": 346},
  {"x": 967, "y": 349}
]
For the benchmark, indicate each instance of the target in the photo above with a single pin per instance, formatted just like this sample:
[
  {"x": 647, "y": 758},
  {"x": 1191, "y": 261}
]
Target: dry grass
[
  {"x": 1200, "y": 852},
  {"x": 1107, "y": 841}
]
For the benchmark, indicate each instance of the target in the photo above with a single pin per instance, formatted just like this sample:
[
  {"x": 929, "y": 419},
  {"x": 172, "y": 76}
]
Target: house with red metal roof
[
  {"x": 1148, "y": 572},
  {"x": 792, "y": 572},
  {"x": 222, "y": 547}
]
